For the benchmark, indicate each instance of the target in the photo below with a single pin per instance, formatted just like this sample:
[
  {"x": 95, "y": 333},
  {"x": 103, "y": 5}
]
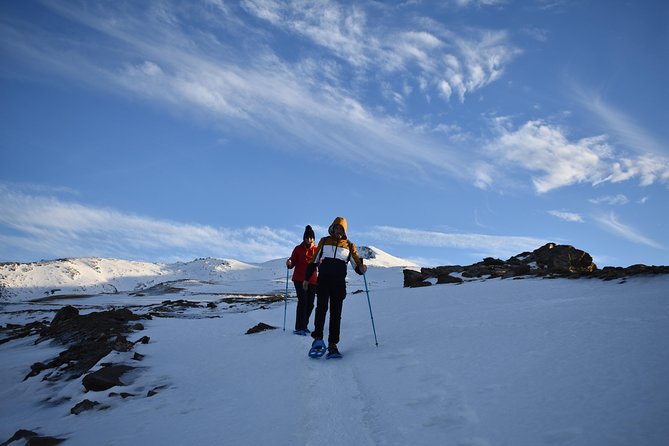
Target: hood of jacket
[{"x": 338, "y": 221}]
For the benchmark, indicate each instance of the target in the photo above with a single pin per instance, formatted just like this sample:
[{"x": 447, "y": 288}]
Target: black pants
[
  {"x": 330, "y": 293},
  {"x": 305, "y": 305}
]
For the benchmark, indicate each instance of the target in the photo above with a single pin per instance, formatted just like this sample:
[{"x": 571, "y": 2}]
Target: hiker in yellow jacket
[{"x": 333, "y": 254}]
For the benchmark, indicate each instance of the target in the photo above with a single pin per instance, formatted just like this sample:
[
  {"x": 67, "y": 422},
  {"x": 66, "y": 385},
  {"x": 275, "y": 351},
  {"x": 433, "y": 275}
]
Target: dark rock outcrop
[
  {"x": 616, "y": 273},
  {"x": 106, "y": 378},
  {"x": 550, "y": 260},
  {"x": 259, "y": 328},
  {"x": 69, "y": 326},
  {"x": 14, "y": 331},
  {"x": 84, "y": 406},
  {"x": 561, "y": 259},
  {"x": 89, "y": 338},
  {"x": 415, "y": 279},
  {"x": 33, "y": 439}
]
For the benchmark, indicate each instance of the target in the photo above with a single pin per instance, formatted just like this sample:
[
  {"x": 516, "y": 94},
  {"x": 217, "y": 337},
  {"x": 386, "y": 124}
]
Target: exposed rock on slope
[
  {"x": 88, "y": 338},
  {"x": 550, "y": 260}
]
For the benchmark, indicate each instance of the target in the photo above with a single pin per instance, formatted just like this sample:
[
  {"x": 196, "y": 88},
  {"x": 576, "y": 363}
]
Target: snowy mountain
[
  {"x": 375, "y": 257},
  {"x": 91, "y": 276},
  {"x": 520, "y": 362}
]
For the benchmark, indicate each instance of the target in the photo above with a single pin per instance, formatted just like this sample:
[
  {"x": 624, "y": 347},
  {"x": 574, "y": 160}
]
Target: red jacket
[{"x": 301, "y": 257}]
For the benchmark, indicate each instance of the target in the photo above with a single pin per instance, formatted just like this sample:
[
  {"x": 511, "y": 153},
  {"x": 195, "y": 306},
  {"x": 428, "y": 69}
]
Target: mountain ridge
[{"x": 96, "y": 275}]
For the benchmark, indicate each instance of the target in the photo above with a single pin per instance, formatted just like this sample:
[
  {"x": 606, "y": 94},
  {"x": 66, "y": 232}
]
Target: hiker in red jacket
[{"x": 299, "y": 260}]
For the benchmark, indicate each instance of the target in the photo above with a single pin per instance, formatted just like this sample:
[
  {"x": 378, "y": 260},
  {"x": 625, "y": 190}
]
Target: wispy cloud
[
  {"x": 312, "y": 103},
  {"x": 551, "y": 5},
  {"x": 567, "y": 216},
  {"x": 651, "y": 163},
  {"x": 341, "y": 30},
  {"x": 538, "y": 34},
  {"x": 620, "y": 124},
  {"x": 36, "y": 224},
  {"x": 610, "y": 199},
  {"x": 482, "y": 244},
  {"x": 540, "y": 147},
  {"x": 611, "y": 223},
  {"x": 35, "y": 188},
  {"x": 448, "y": 62},
  {"x": 480, "y": 3}
]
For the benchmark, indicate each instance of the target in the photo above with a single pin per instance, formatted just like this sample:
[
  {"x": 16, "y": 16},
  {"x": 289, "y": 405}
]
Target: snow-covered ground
[{"x": 497, "y": 362}]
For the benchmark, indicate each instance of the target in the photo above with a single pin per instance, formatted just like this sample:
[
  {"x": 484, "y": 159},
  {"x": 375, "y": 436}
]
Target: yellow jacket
[{"x": 332, "y": 255}]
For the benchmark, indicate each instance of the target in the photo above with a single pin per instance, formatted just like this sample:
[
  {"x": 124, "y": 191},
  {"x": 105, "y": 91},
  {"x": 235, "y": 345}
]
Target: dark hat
[{"x": 308, "y": 233}]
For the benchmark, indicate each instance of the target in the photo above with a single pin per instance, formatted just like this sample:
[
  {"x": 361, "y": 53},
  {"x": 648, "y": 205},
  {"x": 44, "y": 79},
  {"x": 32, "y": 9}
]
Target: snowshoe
[
  {"x": 300, "y": 332},
  {"x": 317, "y": 349},
  {"x": 333, "y": 353}
]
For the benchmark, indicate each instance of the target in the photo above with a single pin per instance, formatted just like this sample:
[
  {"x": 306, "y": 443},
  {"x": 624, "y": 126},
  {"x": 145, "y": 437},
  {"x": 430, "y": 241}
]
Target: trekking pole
[
  {"x": 370, "y": 309},
  {"x": 285, "y": 301}
]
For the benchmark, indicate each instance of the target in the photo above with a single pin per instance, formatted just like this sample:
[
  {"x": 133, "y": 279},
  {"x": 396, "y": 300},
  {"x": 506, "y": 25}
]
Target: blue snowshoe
[
  {"x": 300, "y": 332},
  {"x": 317, "y": 349}
]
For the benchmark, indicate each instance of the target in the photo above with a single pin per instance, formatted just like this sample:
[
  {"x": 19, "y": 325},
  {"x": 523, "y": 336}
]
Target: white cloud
[
  {"x": 611, "y": 223},
  {"x": 618, "y": 123},
  {"x": 309, "y": 104},
  {"x": 483, "y": 176},
  {"x": 567, "y": 216},
  {"x": 35, "y": 188},
  {"x": 538, "y": 34},
  {"x": 487, "y": 245},
  {"x": 479, "y": 3},
  {"x": 42, "y": 225},
  {"x": 484, "y": 59},
  {"x": 448, "y": 61},
  {"x": 551, "y": 5},
  {"x": 611, "y": 199},
  {"x": 540, "y": 147},
  {"x": 650, "y": 168},
  {"x": 651, "y": 163},
  {"x": 545, "y": 149},
  {"x": 328, "y": 24}
]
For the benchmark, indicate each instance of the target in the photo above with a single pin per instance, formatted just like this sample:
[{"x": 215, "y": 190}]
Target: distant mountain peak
[
  {"x": 95, "y": 275},
  {"x": 377, "y": 257}
]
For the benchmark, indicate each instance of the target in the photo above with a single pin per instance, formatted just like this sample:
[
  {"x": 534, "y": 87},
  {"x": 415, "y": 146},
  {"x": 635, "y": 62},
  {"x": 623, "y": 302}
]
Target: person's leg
[
  {"x": 323, "y": 296},
  {"x": 311, "y": 295},
  {"x": 302, "y": 303},
  {"x": 337, "y": 296}
]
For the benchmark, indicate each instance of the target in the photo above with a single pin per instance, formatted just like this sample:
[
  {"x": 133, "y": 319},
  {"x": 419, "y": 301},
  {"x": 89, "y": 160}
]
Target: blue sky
[{"x": 443, "y": 131}]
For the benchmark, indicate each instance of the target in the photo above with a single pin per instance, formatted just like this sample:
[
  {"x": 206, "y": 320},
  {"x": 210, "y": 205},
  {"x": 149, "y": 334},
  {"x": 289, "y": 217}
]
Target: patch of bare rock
[{"x": 549, "y": 261}]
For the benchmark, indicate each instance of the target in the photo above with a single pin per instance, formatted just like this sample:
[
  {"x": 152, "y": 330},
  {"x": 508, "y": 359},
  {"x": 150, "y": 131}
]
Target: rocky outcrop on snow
[
  {"x": 615, "y": 272},
  {"x": 550, "y": 260},
  {"x": 32, "y": 438},
  {"x": 88, "y": 339},
  {"x": 259, "y": 328}
]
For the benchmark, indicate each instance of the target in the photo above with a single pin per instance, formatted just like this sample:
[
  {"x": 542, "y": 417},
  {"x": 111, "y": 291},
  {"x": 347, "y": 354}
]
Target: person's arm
[
  {"x": 313, "y": 264},
  {"x": 292, "y": 260},
  {"x": 356, "y": 261}
]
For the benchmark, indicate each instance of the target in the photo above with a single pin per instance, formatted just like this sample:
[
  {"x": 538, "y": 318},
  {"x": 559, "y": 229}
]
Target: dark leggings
[
  {"x": 305, "y": 305},
  {"x": 332, "y": 294}
]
